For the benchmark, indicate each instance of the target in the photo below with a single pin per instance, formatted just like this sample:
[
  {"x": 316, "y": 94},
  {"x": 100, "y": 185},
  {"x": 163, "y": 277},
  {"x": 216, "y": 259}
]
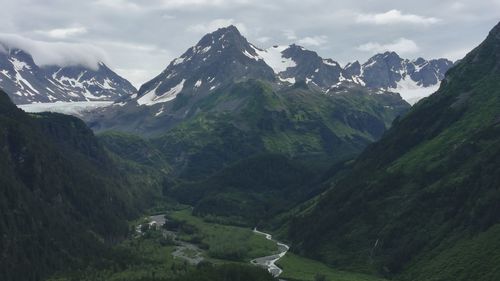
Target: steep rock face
[
  {"x": 353, "y": 70},
  {"x": 26, "y": 82},
  {"x": 422, "y": 203},
  {"x": 311, "y": 68}
]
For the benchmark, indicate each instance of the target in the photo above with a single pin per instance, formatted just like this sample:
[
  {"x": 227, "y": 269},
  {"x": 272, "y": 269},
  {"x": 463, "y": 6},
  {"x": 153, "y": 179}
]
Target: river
[{"x": 269, "y": 262}]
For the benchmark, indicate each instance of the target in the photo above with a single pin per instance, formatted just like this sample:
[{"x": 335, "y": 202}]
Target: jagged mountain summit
[
  {"x": 413, "y": 79},
  {"x": 26, "y": 82},
  {"x": 225, "y": 56},
  {"x": 219, "y": 58}
]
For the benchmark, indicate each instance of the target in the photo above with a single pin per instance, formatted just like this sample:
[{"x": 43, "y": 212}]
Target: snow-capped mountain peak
[
  {"x": 225, "y": 56},
  {"x": 413, "y": 79},
  {"x": 26, "y": 82},
  {"x": 219, "y": 58}
]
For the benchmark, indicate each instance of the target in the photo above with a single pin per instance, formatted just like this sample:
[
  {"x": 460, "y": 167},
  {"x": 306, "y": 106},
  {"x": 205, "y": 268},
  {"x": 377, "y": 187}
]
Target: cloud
[
  {"x": 122, "y": 5},
  {"x": 190, "y": 4},
  {"x": 130, "y": 46},
  {"x": 56, "y": 53},
  {"x": 170, "y": 4},
  {"x": 148, "y": 27},
  {"x": 290, "y": 34},
  {"x": 395, "y": 17},
  {"x": 264, "y": 39},
  {"x": 62, "y": 33},
  {"x": 216, "y": 24},
  {"x": 457, "y": 6},
  {"x": 134, "y": 75},
  {"x": 313, "y": 41},
  {"x": 401, "y": 46}
]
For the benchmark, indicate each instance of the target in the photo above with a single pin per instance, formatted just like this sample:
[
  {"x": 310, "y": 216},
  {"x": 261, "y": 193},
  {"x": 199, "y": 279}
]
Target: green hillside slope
[
  {"x": 251, "y": 117},
  {"x": 423, "y": 203},
  {"x": 62, "y": 197}
]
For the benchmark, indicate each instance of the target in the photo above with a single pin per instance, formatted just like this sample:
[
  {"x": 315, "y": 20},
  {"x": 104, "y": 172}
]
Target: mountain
[
  {"x": 251, "y": 117},
  {"x": 248, "y": 118},
  {"x": 219, "y": 58},
  {"x": 423, "y": 202},
  {"x": 221, "y": 102},
  {"x": 413, "y": 79},
  {"x": 225, "y": 56},
  {"x": 64, "y": 199},
  {"x": 295, "y": 63},
  {"x": 26, "y": 82}
]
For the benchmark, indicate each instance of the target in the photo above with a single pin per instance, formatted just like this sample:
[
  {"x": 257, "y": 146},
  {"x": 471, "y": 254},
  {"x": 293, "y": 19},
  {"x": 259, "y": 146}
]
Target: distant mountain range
[
  {"x": 225, "y": 56},
  {"x": 219, "y": 58},
  {"x": 412, "y": 79},
  {"x": 221, "y": 102},
  {"x": 26, "y": 82}
]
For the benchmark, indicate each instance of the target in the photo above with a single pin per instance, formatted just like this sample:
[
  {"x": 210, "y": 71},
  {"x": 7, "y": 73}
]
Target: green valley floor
[{"x": 189, "y": 243}]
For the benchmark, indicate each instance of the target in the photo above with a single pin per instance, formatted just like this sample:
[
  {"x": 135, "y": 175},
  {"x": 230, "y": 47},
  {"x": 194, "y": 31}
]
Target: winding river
[{"x": 269, "y": 262}]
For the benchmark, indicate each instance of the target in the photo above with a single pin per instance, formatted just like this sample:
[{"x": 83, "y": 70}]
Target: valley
[
  {"x": 187, "y": 242},
  {"x": 235, "y": 161}
]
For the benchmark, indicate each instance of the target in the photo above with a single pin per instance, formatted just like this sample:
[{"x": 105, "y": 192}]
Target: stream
[{"x": 269, "y": 262}]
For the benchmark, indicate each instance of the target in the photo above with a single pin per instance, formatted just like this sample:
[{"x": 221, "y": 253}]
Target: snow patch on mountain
[
  {"x": 411, "y": 91},
  {"x": 71, "y": 108},
  {"x": 330, "y": 62},
  {"x": 225, "y": 56},
  {"x": 273, "y": 57},
  {"x": 19, "y": 65},
  {"x": 151, "y": 97},
  {"x": 26, "y": 82},
  {"x": 290, "y": 80}
]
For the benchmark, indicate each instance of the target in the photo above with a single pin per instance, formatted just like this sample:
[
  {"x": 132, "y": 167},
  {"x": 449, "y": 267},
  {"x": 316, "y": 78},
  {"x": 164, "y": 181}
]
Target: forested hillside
[
  {"x": 62, "y": 197},
  {"x": 422, "y": 203}
]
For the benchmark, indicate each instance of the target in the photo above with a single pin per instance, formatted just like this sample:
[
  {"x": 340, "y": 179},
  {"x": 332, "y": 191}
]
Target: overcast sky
[{"x": 138, "y": 38}]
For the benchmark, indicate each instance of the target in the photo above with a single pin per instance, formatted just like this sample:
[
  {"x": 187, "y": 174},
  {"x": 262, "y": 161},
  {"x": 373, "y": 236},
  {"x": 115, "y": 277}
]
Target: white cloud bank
[
  {"x": 400, "y": 46},
  {"x": 395, "y": 17},
  {"x": 56, "y": 53},
  {"x": 172, "y": 4},
  {"x": 62, "y": 33}
]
